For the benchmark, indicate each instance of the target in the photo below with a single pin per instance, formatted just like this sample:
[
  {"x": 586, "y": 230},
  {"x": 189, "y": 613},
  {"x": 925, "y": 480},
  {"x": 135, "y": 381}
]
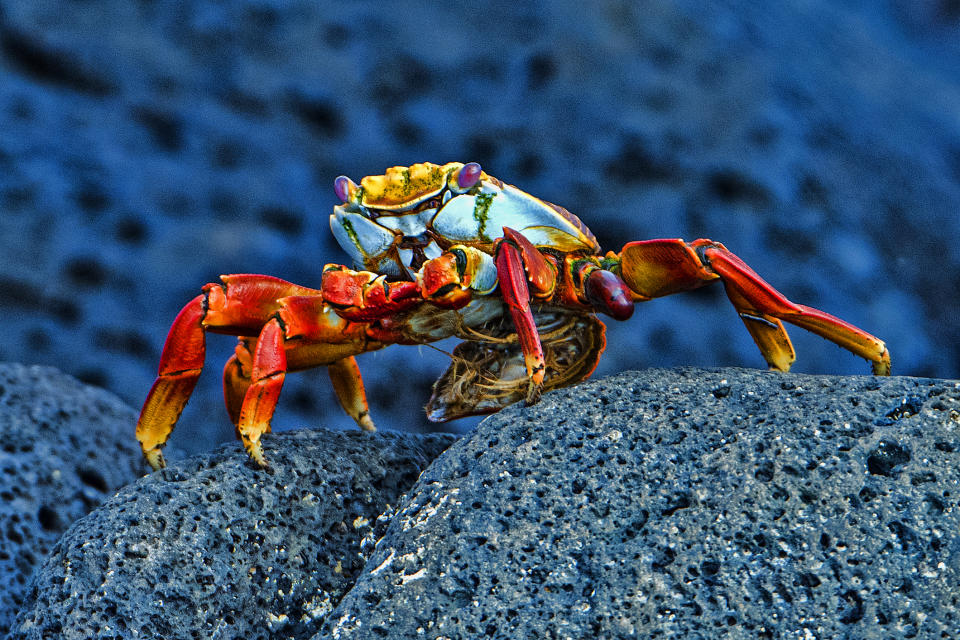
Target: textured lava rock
[
  {"x": 212, "y": 547},
  {"x": 148, "y": 147},
  {"x": 683, "y": 504},
  {"x": 64, "y": 448}
]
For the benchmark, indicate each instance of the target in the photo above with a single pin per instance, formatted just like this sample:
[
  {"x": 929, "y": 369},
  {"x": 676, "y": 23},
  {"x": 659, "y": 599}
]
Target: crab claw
[
  {"x": 345, "y": 188},
  {"x": 609, "y": 294}
]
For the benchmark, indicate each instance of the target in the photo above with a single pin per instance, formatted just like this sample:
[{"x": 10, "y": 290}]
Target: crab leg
[
  {"x": 519, "y": 264},
  {"x": 654, "y": 268},
  {"x": 239, "y": 305},
  {"x": 236, "y": 378},
  {"x": 305, "y": 332},
  {"x": 180, "y": 367},
  {"x": 348, "y": 385},
  {"x": 260, "y": 400},
  {"x": 344, "y": 377}
]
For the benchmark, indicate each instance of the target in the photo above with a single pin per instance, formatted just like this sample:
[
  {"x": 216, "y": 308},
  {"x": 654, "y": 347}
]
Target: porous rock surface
[
  {"x": 685, "y": 504},
  {"x": 148, "y": 147},
  {"x": 64, "y": 448},
  {"x": 212, "y": 547}
]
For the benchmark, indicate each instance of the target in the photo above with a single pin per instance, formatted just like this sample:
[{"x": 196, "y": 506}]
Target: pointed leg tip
[
  {"x": 881, "y": 367},
  {"x": 256, "y": 454},
  {"x": 155, "y": 459},
  {"x": 533, "y": 393},
  {"x": 366, "y": 423}
]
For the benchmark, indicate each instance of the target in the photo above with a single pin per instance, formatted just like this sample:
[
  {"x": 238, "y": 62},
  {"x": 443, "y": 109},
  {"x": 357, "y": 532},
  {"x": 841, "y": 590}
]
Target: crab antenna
[
  {"x": 344, "y": 188},
  {"x": 469, "y": 175}
]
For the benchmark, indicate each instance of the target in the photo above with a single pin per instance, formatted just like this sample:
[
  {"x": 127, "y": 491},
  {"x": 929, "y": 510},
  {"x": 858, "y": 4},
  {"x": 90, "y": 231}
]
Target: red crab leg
[
  {"x": 344, "y": 376},
  {"x": 236, "y": 378},
  {"x": 260, "y": 400},
  {"x": 514, "y": 274},
  {"x": 240, "y": 305},
  {"x": 304, "y": 333},
  {"x": 180, "y": 367},
  {"x": 655, "y": 268}
]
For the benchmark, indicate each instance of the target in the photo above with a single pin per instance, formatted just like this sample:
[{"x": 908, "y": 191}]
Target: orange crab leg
[
  {"x": 344, "y": 376},
  {"x": 304, "y": 333},
  {"x": 236, "y": 378},
  {"x": 348, "y": 385},
  {"x": 654, "y": 268}
]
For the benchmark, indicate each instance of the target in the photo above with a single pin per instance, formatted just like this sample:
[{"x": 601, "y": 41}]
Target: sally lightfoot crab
[{"x": 445, "y": 251}]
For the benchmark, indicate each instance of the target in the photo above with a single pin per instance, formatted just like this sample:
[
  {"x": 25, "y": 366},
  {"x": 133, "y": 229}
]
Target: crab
[{"x": 443, "y": 251}]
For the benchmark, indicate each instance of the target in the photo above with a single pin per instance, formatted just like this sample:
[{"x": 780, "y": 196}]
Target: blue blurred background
[{"x": 148, "y": 146}]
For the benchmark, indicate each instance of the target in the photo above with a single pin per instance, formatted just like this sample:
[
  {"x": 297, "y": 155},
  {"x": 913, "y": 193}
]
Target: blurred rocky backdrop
[{"x": 148, "y": 146}]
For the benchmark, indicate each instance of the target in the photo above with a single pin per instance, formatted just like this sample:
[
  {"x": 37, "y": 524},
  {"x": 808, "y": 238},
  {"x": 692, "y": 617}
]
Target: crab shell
[{"x": 392, "y": 223}]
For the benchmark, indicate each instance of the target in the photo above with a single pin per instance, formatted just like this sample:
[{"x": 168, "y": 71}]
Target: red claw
[
  {"x": 609, "y": 294},
  {"x": 541, "y": 276}
]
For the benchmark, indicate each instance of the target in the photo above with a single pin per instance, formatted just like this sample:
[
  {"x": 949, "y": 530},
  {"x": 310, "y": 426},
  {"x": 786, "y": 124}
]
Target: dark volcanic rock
[
  {"x": 212, "y": 547},
  {"x": 64, "y": 448},
  {"x": 683, "y": 504}
]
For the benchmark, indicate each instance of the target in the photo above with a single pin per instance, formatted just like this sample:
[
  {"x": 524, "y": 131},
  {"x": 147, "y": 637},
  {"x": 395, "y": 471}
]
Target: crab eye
[
  {"x": 469, "y": 175},
  {"x": 344, "y": 188}
]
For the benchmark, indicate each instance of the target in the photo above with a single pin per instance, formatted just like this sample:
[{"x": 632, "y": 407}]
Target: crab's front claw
[
  {"x": 654, "y": 268},
  {"x": 364, "y": 296}
]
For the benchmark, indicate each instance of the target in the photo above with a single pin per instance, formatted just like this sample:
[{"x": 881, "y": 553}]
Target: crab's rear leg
[
  {"x": 180, "y": 367},
  {"x": 348, "y": 385},
  {"x": 239, "y": 305},
  {"x": 344, "y": 377},
  {"x": 654, "y": 268},
  {"x": 307, "y": 332},
  {"x": 236, "y": 378}
]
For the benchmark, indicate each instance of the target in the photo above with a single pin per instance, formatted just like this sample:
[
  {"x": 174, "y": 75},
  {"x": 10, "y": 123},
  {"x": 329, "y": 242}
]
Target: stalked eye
[
  {"x": 469, "y": 175},
  {"x": 345, "y": 188}
]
